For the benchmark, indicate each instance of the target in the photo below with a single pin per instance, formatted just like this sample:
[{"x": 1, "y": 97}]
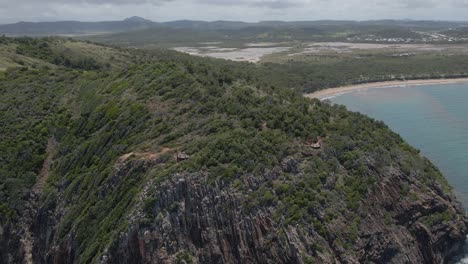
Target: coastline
[{"x": 330, "y": 92}]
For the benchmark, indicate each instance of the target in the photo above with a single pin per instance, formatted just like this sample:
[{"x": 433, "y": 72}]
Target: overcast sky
[{"x": 245, "y": 10}]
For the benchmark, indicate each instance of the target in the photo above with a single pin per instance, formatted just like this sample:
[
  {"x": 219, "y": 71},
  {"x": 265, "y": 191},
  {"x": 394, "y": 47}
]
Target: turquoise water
[{"x": 432, "y": 118}]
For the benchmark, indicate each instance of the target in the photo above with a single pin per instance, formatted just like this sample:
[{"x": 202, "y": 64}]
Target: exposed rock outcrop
[
  {"x": 208, "y": 224},
  {"x": 185, "y": 218}
]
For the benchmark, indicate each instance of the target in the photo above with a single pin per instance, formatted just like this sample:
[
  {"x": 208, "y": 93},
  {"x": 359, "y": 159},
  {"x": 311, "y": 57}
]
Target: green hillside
[{"x": 94, "y": 138}]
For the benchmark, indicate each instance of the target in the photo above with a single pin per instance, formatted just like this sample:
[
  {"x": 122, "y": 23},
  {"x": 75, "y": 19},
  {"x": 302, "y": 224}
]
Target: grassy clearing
[
  {"x": 10, "y": 58},
  {"x": 101, "y": 53}
]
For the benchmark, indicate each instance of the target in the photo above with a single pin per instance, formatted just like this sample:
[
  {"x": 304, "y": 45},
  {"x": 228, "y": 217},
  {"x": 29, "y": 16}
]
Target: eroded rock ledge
[{"x": 209, "y": 224}]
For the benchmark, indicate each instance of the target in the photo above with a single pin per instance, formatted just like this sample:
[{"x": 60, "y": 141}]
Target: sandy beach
[{"x": 327, "y": 93}]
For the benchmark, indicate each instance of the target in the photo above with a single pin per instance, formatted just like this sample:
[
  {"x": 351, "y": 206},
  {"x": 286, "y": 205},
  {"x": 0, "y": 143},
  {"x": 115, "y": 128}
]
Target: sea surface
[{"x": 432, "y": 118}]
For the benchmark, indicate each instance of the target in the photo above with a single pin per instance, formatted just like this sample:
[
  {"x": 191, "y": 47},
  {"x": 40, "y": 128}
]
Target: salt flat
[{"x": 250, "y": 54}]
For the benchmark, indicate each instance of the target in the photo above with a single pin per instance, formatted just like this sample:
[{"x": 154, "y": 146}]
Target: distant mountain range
[
  {"x": 138, "y": 23},
  {"x": 75, "y": 27}
]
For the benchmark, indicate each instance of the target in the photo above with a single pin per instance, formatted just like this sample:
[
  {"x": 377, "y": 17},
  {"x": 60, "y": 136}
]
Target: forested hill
[
  {"x": 300, "y": 76},
  {"x": 74, "y": 27},
  {"x": 134, "y": 23},
  {"x": 118, "y": 156}
]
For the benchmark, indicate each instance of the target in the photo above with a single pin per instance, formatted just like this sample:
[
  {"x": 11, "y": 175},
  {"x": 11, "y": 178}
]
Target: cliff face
[
  {"x": 10, "y": 246},
  {"x": 207, "y": 224},
  {"x": 189, "y": 219}
]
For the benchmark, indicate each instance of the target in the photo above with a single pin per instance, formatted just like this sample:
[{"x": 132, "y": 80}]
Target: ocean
[{"x": 432, "y": 118}]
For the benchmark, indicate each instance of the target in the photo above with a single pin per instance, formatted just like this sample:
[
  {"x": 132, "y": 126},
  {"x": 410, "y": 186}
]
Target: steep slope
[{"x": 181, "y": 159}]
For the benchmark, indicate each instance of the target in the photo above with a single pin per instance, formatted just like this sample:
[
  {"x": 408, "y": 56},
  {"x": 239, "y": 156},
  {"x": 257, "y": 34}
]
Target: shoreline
[{"x": 330, "y": 92}]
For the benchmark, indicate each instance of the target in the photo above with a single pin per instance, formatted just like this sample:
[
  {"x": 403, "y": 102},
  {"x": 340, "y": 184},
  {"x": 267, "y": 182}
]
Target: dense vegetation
[
  {"x": 303, "y": 75},
  {"x": 234, "y": 120},
  {"x": 309, "y": 73},
  {"x": 309, "y": 76}
]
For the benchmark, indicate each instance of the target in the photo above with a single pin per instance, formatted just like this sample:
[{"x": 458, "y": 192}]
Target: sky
[{"x": 238, "y": 10}]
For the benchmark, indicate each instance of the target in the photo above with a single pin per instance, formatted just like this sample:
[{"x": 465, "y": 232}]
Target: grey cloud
[
  {"x": 275, "y": 4},
  {"x": 250, "y": 10},
  {"x": 460, "y": 3},
  {"x": 418, "y": 3},
  {"x": 79, "y": 2},
  {"x": 323, "y": 3}
]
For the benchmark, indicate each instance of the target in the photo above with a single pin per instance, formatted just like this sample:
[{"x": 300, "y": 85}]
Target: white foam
[{"x": 463, "y": 259}]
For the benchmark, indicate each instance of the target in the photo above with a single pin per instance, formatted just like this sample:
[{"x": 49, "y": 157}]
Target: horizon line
[{"x": 241, "y": 21}]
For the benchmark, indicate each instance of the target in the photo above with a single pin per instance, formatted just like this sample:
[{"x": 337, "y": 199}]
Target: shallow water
[{"x": 432, "y": 118}]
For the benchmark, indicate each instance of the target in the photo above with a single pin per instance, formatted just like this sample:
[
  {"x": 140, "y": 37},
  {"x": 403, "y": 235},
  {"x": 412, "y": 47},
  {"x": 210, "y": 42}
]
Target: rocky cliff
[
  {"x": 190, "y": 220},
  {"x": 207, "y": 224}
]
